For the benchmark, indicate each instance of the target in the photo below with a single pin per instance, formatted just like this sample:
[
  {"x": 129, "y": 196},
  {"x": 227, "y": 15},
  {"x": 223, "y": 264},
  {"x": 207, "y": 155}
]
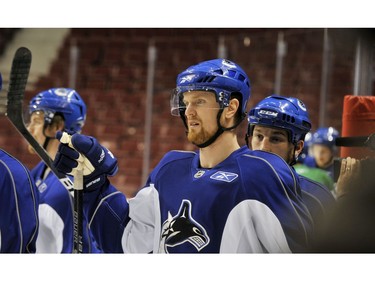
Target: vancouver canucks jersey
[
  {"x": 318, "y": 199},
  {"x": 250, "y": 202},
  {"x": 18, "y": 207},
  {"x": 56, "y": 216}
]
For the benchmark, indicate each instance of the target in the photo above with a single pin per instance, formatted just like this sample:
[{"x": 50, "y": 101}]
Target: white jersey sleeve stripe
[
  {"x": 141, "y": 234},
  {"x": 100, "y": 204}
]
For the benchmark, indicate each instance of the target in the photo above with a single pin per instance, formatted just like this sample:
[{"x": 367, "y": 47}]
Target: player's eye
[
  {"x": 277, "y": 139},
  {"x": 199, "y": 102},
  {"x": 259, "y": 137}
]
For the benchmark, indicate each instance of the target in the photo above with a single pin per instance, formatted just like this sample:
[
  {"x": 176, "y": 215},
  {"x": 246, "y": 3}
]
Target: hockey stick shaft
[
  {"x": 78, "y": 182},
  {"x": 18, "y": 79}
]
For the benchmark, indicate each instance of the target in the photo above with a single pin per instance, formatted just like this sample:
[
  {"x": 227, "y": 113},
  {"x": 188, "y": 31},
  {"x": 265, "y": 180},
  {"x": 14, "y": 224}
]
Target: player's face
[
  {"x": 201, "y": 113},
  {"x": 36, "y": 129},
  {"x": 322, "y": 154},
  {"x": 272, "y": 140}
]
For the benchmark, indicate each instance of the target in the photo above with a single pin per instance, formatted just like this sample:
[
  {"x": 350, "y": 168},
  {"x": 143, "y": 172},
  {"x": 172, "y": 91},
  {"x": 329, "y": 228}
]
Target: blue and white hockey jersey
[
  {"x": 18, "y": 207},
  {"x": 249, "y": 203},
  {"x": 56, "y": 216},
  {"x": 317, "y": 197}
]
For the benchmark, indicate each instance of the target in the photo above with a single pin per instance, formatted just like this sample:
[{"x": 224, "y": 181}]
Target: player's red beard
[{"x": 198, "y": 137}]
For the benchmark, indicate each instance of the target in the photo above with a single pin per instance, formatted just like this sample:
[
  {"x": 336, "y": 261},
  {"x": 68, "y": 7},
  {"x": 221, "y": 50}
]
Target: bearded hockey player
[{"x": 223, "y": 198}]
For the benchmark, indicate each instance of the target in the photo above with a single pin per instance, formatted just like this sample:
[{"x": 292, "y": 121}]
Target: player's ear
[
  {"x": 232, "y": 108},
  {"x": 58, "y": 124},
  {"x": 299, "y": 148}
]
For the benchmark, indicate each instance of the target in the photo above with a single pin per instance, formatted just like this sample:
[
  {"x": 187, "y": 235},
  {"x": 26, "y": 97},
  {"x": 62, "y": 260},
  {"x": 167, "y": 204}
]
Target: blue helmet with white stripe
[
  {"x": 64, "y": 101},
  {"x": 286, "y": 113}
]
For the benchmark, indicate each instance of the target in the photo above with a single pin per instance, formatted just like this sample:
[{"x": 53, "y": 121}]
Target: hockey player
[
  {"x": 51, "y": 111},
  {"x": 302, "y": 167},
  {"x": 279, "y": 124},
  {"x": 323, "y": 149},
  {"x": 18, "y": 206},
  {"x": 223, "y": 198}
]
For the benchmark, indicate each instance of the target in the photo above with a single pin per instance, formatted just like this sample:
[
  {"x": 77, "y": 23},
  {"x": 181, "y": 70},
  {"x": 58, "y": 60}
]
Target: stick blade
[{"x": 18, "y": 80}]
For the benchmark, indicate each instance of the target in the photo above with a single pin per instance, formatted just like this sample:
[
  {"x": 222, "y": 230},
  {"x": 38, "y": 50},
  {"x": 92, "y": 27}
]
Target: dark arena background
[{"x": 126, "y": 75}]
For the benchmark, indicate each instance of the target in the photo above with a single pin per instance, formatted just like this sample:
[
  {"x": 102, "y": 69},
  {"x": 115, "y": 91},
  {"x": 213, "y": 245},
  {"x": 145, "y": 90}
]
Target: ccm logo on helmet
[{"x": 267, "y": 112}]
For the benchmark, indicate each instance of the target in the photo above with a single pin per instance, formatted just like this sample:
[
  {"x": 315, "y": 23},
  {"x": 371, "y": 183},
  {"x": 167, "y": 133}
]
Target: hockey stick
[{"x": 17, "y": 85}]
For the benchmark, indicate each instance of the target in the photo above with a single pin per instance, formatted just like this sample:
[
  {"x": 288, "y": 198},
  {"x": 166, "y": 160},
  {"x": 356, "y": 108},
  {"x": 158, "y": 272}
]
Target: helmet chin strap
[
  {"x": 294, "y": 158},
  {"x": 45, "y": 144},
  {"x": 46, "y": 141}
]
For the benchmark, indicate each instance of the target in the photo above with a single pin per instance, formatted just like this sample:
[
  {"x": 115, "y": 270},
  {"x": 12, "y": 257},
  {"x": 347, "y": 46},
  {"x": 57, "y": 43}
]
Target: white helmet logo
[
  {"x": 301, "y": 105},
  {"x": 62, "y": 92},
  {"x": 187, "y": 78}
]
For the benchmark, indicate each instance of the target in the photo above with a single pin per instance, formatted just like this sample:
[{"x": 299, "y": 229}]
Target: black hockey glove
[{"x": 97, "y": 161}]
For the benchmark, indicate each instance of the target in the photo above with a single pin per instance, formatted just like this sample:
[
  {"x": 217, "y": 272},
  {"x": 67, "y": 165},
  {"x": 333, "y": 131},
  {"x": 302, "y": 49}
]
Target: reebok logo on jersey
[{"x": 224, "y": 176}]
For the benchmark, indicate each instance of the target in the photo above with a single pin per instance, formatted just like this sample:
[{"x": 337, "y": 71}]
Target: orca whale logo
[{"x": 181, "y": 229}]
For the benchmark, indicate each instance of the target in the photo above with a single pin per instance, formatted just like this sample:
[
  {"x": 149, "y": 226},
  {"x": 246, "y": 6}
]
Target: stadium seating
[{"x": 112, "y": 79}]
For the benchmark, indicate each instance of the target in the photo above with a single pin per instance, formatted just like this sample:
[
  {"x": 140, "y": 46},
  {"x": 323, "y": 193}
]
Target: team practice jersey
[
  {"x": 56, "y": 216},
  {"x": 318, "y": 199},
  {"x": 250, "y": 202},
  {"x": 18, "y": 207}
]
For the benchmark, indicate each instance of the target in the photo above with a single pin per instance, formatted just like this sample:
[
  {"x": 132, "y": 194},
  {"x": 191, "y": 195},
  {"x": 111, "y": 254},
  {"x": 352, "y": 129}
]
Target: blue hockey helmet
[
  {"x": 281, "y": 112},
  {"x": 65, "y": 101},
  {"x": 325, "y": 136},
  {"x": 220, "y": 76}
]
